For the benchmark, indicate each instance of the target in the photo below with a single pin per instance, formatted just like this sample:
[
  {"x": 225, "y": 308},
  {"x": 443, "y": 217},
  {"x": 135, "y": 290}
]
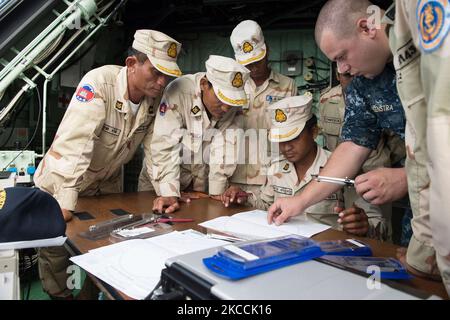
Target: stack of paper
[
  {"x": 252, "y": 225},
  {"x": 134, "y": 266}
]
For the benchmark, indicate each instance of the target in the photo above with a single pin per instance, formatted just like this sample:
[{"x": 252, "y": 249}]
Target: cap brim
[
  {"x": 254, "y": 56},
  {"x": 230, "y": 97},
  {"x": 285, "y": 134},
  {"x": 167, "y": 67}
]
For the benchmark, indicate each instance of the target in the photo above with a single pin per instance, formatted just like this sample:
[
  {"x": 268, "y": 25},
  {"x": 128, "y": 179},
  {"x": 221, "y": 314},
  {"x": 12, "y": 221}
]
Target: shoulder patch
[
  {"x": 433, "y": 18},
  {"x": 286, "y": 167},
  {"x": 85, "y": 93}
]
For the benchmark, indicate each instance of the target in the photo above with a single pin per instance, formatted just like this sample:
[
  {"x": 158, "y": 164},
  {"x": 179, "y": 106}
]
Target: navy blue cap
[{"x": 29, "y": 214}]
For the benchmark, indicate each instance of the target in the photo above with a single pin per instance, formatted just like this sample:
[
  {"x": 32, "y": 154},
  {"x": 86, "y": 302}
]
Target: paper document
[
  {"x": 134, "y": 266},
  {"x": 252, "y": 225},
  {"x": 51, "y": 242}
]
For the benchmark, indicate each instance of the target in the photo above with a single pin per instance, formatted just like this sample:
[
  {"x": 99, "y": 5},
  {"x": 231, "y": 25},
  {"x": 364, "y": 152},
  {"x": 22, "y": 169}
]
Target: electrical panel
[{"x": 292, "y": 63}]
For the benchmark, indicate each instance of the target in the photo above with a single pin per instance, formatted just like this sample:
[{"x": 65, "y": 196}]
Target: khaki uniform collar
[
  {"x": 197, "y": 102},
  {"x": 273, "y": 76},
  {"x": 319, "y": 162},
  {"x": 197, "y": 108},
  {"x": 389, "y": 18},
  {"x": 389, "y": 15},
  {"x": 121, "y": 91}
]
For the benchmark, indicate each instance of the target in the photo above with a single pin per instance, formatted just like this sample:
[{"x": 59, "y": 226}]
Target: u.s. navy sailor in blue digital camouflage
[
  {"x": 390, "y": 150},
  {"x": 371, "y": 106}
]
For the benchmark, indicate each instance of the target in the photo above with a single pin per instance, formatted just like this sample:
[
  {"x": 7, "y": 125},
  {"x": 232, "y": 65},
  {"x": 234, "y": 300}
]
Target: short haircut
[
  {"x": 340, "y": 16},
  {"x": 141, "y": 57}
]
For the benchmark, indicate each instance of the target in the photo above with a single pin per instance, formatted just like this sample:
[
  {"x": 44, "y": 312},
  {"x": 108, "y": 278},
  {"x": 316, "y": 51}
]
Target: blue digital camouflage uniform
[{"x": 371, "y": 106}]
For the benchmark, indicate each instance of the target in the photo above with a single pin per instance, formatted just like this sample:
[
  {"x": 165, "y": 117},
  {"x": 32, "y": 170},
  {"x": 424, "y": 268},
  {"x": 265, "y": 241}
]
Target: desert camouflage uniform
[{"x": 421, "y": 48}]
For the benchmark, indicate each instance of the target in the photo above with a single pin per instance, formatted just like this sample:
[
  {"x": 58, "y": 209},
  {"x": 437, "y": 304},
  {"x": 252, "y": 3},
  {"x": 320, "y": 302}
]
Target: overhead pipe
[
  {"x": 80, "y": 8},
  {"x": 103, "y": 22},
  {"x": 29, "y": 86}
]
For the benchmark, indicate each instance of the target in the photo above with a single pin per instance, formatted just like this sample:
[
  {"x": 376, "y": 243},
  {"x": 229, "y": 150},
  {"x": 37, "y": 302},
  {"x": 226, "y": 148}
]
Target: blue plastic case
[
  {"x": 390, "y": 268},
  {"x": 349, "y": 247},
  {"x": 251, "y": 258}
]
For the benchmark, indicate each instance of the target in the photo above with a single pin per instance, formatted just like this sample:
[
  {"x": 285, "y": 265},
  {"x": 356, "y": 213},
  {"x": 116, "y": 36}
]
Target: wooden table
[{"x": 200, "y": 210}]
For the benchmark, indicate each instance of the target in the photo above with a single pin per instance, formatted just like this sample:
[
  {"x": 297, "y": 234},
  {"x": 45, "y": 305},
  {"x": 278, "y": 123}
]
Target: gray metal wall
[{"x": 197, "y": 47}]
